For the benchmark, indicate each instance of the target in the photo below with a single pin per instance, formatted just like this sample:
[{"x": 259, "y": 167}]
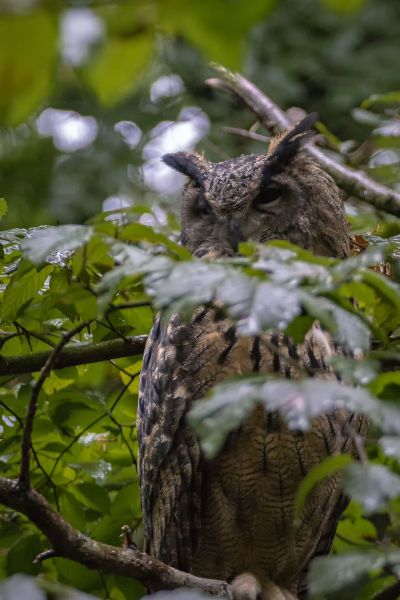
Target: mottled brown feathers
[{"x": 234, "y": 514}]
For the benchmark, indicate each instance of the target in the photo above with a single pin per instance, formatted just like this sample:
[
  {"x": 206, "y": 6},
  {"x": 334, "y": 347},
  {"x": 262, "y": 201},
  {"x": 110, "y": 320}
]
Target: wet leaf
[
  {"x": 390, "y": 446},
  {"x": 22, "y": 290},
  {"x": 229, "y": 403},
  {"x": 52, "y": 243},
  {"x": 328, "y": 575},
  {"x": 371, "y": 485},
  {"x": 347, "y": 328}
]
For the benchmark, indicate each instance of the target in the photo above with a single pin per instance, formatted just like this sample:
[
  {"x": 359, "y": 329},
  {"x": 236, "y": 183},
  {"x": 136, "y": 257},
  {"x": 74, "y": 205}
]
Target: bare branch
[
  {"x": 70, "y": 543},
  {"x": 26, "y": 443},
  {"x": 71, "y": 356},
  {"x": 271, "y": 116},
  {"x": 44, "y": 556},
  {"x": 251, "y": 135}
]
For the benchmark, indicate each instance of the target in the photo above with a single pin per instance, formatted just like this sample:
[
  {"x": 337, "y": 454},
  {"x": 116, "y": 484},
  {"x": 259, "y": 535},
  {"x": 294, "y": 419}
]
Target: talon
[{"x": 246, "y": 587}]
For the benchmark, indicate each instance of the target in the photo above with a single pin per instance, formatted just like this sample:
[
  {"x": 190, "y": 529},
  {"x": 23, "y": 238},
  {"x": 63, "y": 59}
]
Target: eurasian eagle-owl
[{"x": 231, "y": 518}]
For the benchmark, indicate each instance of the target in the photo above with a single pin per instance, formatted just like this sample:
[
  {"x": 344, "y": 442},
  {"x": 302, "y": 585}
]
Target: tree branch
[
  {"x": 251, "y": 135},
  {"x": 272, "y": 117},
  {"x": 70, "y": 543},
  {"x": 26, "y": 443},
  {"x": 70, "y": 356}
]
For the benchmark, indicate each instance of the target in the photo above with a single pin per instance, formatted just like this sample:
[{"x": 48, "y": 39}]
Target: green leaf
[
  {"x": 347, "y": 328},
  {"x": 206, "y": 25},
  {"x": 382, "y": 99},
  {"x": 329, "y": 466},
  {"x": 228, "y": 405},
  {"x": 93, "y": 496},
  {"x": 137, "y": 232},
  {"x": 298, "y": 402},
  {"x": 126, "y": 502},
  {"x": 356, "y": 371},
  {"x": 21, "y": 555},
  {"x": 3, "y": 207},
  {"x": 256, "y": 305},
  {"x": 344, "y": 7},
  {"x": 299, "y": 327},
  {"x": 118, "y": 65},
  {"x": 385, "y": 287},
  {"x": 77, "y": 575},
  {"x": 371, "y": 485},
  {"x": 54, "y": 383},
  {"x": 55, "y": 243},
  {"x": 330, "y": 574},
  {"x": 28, "y": 50},
  {"x": 22, "y": 290},
  {"x": 72, "y": 511},
  {"x": 131, "y": 262},
  {"x": 383, "y": 382},
  {"x": 268, "y": 306},
  {"x": 188, "y": 284},
  {"x": 357, "y": 532},
  {"x": 390, "y": 446}
]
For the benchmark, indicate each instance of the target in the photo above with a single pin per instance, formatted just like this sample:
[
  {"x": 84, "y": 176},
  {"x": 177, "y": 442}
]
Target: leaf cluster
[{"x": 111, "y": 273}]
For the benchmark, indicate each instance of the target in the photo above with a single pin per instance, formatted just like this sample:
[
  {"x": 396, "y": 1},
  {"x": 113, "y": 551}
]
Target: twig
[
  {"x": 73, "y": 355},
  {"x": 70, "y": 543},
  {"x": 124, "y": 371},
  {"x": 272, "y": 117},
  {"x": 94, "y": 422},
  {"x": 127, "y": 305},
  {"x": 251, "y": 135},
  {"x": 24, "y": 477},
  {"x": 75, "y": 439},
  {"x": 35, "y": 456},
  {"x": 33, "y": 334},
  {"x": 44, "y": 556}
]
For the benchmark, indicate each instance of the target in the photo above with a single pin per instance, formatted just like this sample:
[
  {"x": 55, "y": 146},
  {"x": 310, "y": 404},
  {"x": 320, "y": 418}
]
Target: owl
[{"x": 232, "y": 517}]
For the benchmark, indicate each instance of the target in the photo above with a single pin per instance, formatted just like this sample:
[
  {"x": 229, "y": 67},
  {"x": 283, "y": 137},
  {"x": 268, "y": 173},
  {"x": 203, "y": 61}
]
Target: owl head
[{"x": 282, "y": 195}]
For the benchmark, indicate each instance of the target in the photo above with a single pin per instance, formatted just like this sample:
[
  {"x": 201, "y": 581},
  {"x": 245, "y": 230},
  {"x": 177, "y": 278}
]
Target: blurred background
[{"x": 93, "y": 93}]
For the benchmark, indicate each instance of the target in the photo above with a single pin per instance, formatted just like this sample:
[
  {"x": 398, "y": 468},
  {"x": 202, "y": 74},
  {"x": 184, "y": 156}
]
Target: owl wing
[
  {"x": 169, "y": 453},
  {"x": 359, "y": 426}
]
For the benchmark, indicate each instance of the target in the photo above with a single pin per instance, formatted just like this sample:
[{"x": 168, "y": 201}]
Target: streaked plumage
[{"x": 234, "y": 514}]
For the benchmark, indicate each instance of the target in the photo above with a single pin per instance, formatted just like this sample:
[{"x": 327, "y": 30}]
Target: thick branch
[
  {"x": 70, "y": 543},
  {"x": 77, "y": 354},
  {"x": 271, "y": 116}
]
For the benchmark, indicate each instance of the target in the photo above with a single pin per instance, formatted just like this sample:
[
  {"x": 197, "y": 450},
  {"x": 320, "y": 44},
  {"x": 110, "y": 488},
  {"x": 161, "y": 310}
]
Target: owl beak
[{"x": 235, "y": 233}]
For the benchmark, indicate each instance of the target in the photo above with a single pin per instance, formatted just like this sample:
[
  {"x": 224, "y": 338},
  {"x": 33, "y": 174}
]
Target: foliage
[
  {"x": 323, "y": 55},
  {"x": 114, "y": 270},
  {"x": 105, "y": 273},
  {"x": 22, "y": 586}
]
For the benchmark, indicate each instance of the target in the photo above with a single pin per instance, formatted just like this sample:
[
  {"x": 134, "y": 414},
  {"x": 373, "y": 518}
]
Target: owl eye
[
  {"x": 203, "y": 207},
  {"x": 266, "y": 196},
  {"x": 196, "y": 184}
]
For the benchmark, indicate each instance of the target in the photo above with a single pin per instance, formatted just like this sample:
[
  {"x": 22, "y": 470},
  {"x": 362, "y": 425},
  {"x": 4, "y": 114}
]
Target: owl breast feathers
[{"x": 233, "y": 515}]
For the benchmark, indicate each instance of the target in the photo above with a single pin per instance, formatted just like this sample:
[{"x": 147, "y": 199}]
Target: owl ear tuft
[
  {"x": 185, "y": 163},
  {"x": 288, "y": 146}
]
